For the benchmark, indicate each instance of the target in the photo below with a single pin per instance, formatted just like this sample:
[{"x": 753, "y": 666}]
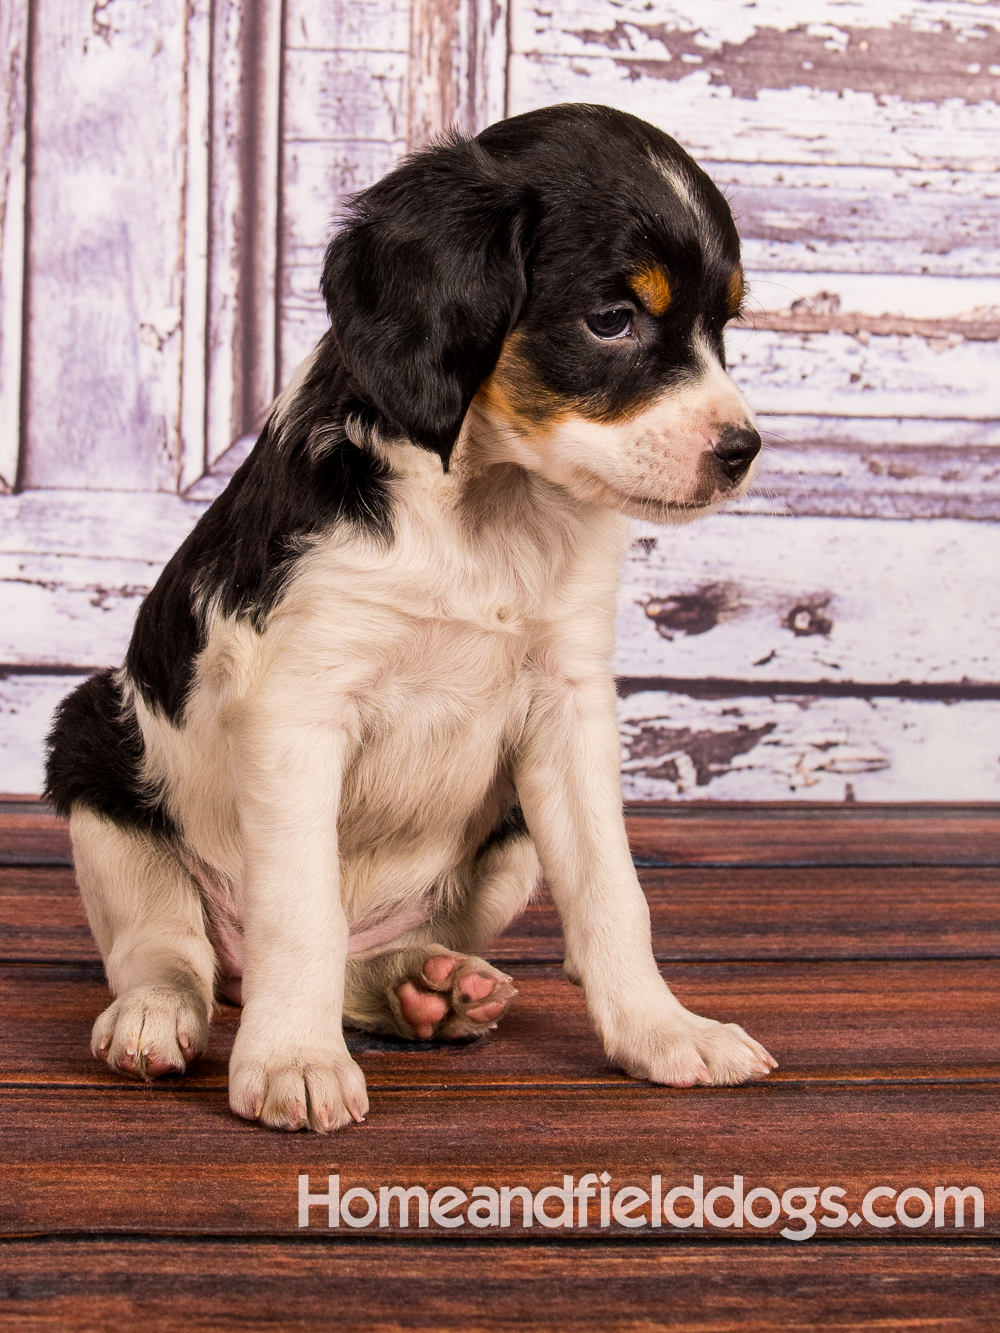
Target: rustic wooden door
[
  {"x": 139, "y": 153},
  {"x": 169, "y": 177}
]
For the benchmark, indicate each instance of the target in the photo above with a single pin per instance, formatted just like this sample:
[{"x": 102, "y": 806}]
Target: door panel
[{"x": 105, "y": 245}]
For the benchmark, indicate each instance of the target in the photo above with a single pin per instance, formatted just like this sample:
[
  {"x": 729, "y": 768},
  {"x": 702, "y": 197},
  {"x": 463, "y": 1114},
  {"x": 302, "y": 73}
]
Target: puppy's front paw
[
  {"x": 685, "y": 1050},
  {"x": 152, "y": 1030},
  {"x": 307, "y": 1089}
]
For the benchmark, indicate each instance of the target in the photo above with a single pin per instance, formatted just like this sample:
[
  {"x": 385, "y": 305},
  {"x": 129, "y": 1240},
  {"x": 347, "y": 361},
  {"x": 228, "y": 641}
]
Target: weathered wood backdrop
[{"x": 168, "y": 175}]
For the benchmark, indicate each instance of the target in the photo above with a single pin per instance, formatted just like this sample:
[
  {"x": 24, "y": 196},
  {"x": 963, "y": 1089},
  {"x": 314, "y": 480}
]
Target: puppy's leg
[
  {"x": 503, "y": 879},
  {"x": 441, "y": 988},
  {"x": 146, "y": 916},
  {"x": 569, "y": 786},
  {"x": 290, "y": 1067}
]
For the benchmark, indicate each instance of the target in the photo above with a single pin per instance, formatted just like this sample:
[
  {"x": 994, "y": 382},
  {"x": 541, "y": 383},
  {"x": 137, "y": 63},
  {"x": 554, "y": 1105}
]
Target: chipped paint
[
  {"x": 899, "y": 61},
  {"x": 690, "y": 613},
  {"x": 810, "y": 617},
  {"x": 812, "y": 749},
  {"x": 686, "y": 758},
  {"x": 871, "y": 602}
]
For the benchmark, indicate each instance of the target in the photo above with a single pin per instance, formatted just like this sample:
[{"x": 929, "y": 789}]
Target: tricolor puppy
[{"x": 369, "y": 702}]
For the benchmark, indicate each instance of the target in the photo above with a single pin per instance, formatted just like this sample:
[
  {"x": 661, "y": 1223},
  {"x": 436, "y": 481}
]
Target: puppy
[{"x": 369, "y": 702}]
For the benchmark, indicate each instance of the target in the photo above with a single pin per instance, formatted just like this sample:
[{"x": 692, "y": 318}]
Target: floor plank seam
[
  {"x": 610, "y": 1240},
  {"x": 20, "y": 861},
  {"x": 685, "y": 960},
  {"x": 620, "y": 1084},
  {"x": 649, "y": 863}
]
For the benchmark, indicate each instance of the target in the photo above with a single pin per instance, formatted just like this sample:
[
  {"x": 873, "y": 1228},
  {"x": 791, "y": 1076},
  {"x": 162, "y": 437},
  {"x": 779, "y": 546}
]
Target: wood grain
[
  {"x": 13, "y": 194},
  {"x": 731, "y": 84},
  {"x": 57, "y": 610},
  {"x": 768, "y": 47},
  {"x": 823, "y": 1022},
  {"x": 790, "y": 834},
  {"x": 691, "y": 741},
  {"x": 888, "y": 1077},
  {"x": 730, "y": 747},
  {"x": 70, "y": 589},
  {"x": 859, "y": 480},
  {"x": 345, "y": 95},
  {"x": 717, "y": 598},
  {"x": 888, "y": 375},
  {"x": 42, "y": 917},
  {"x": 725, "y": 595},
  {"x": 361, "y": 25},
  {"x": 822, "y": 912},
  {"x": 27, "y": 703},
  {"x": 173, "y": 1161},
  {"x": 41, "y": 839},
  {"x": 728, "y": 909},
  {"x": 813, "y": 219},
  {"x": 177, "y": 1285},
  {"x": 851, "y": 152},
  {"x": 795, "y": 835},
  {"x": 105, "y": 276},
  {"x": 245, "y": 204},
  {"x": 108, "y": 525}
]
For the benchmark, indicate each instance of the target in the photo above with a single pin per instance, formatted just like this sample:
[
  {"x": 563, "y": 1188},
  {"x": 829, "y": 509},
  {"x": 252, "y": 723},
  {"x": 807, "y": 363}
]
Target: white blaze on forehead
[{"x": 681, "y": 186}]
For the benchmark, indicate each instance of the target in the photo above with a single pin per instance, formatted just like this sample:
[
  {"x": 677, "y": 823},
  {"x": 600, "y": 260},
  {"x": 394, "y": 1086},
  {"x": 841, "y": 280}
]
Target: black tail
[{"x": 95, "y": 753}]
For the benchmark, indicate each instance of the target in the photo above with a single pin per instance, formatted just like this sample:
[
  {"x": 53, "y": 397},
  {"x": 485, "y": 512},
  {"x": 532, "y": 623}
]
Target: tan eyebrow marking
[
  {"x": 652, "y": 286},
  {"x": 736, "y": 291}
]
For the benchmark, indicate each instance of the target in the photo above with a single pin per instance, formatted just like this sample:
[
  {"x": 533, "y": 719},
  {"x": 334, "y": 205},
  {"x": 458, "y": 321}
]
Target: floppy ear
[{"x": 424, "y": 282}]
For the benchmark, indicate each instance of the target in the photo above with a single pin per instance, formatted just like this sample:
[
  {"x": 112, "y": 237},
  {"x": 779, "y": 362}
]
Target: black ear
[{"x": 424, "y": 282}]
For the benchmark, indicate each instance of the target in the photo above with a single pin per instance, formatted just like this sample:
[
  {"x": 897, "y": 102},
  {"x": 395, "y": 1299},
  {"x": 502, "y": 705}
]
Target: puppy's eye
[{"x": 616, "y": 322}]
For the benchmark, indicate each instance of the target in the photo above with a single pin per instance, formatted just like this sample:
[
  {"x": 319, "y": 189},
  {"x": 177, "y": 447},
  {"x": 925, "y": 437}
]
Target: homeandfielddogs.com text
[{"x": 594, "y": 1201}]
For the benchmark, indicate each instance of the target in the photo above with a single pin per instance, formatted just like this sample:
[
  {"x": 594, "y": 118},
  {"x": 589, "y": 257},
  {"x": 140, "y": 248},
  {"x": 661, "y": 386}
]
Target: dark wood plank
[
  {"x": 788, "y": 835},
  {"x": 173, "y": 1160},
  {"x": 697, "y": 913},
  {"x": 42, "y": 917},
  {"x": 821, "y": 1021},
  {"x": 717, "y": 834},
  {"x": 819, "y": 912},
  {"x": 33, "y": 837},
  {"x": 173, "y": 1286}
]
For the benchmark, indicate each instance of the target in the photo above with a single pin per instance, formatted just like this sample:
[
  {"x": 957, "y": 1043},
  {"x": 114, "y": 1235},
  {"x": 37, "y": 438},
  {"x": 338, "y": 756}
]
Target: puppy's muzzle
[{"x": 735, "y": 450}]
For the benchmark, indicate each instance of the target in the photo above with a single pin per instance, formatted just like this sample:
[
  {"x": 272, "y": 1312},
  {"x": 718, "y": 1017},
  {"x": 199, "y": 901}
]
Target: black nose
[{"x": 736, "y": 448}]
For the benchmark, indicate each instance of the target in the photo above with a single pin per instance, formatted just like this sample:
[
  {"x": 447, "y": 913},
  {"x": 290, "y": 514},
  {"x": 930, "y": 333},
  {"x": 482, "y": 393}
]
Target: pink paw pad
[
  {"x": 454, "y": 998},
  {"x": 439, "y": 968},
  {"x": 422, "y": 1010}
]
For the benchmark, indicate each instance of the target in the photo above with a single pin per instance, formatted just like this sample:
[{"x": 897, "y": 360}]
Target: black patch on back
[
  {"x": 508, "y": 828},
  {"x": 95, "y": 754},
  {"x": 241, "y": 553}
]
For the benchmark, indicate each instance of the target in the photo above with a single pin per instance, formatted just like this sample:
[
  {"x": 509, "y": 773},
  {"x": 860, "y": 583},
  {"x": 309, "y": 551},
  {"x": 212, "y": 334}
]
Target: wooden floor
[{"x": 859, "y": 944}]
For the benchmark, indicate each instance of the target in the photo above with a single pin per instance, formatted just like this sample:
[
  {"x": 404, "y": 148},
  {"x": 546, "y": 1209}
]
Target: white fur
[
  {"x": 648, "y": 466},
  {"x": 335, "y": 773}
]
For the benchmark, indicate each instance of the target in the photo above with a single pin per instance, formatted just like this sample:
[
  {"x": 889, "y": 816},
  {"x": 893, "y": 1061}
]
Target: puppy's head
[{"x": 568, "y": 275}]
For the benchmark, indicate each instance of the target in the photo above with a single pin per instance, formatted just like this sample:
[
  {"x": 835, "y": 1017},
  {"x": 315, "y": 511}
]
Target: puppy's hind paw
[
  {"x": 453, "y": 996},
  {"x": 152, "y": 1030}
]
